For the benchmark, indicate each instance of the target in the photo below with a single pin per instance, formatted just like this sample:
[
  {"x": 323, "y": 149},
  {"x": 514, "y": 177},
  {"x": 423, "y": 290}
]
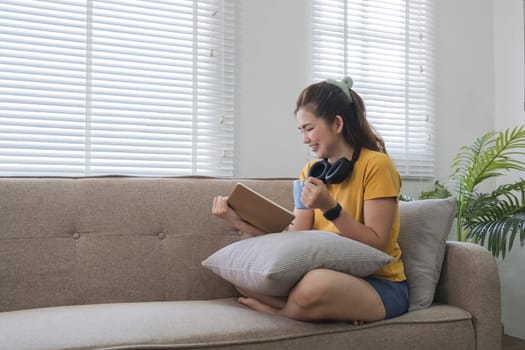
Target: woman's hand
[
  {"x": 222, "y": 210},
  {"x": 315, "y": 195}
]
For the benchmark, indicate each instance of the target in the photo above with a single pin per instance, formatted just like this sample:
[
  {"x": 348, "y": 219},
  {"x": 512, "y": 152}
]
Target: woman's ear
[{"x": 339, "y": 123}]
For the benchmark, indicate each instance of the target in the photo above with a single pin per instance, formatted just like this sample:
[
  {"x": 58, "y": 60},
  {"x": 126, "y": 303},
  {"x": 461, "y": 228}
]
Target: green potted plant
[{"x": 494, "y": 218}]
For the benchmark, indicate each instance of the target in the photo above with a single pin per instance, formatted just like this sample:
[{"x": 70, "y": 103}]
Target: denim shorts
[{"x": 393, "y": 294}]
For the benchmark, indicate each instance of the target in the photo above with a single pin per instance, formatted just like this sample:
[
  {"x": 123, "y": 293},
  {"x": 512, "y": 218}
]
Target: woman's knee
[{"x": 311, "y": 290}]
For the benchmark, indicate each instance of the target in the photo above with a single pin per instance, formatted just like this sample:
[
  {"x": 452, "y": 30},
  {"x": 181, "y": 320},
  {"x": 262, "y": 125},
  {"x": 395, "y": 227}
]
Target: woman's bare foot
[
  {"x": 257, "y": 305},
  {"x": 274, "y": 302}
]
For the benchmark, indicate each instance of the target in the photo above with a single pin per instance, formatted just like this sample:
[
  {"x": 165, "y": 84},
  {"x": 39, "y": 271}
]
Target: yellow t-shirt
[{"x": 374, "y": 176}]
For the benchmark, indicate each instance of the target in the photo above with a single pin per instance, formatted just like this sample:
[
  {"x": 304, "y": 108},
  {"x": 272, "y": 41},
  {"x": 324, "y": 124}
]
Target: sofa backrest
[{"x": 68, "y": 241}]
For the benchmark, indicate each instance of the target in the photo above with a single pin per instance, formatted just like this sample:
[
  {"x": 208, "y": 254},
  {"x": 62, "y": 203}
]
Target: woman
[{"x": 357, "y": 199}]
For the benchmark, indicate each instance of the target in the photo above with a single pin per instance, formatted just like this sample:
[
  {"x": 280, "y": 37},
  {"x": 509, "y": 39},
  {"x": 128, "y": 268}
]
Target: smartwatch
[{"x": 332, "y": 214}]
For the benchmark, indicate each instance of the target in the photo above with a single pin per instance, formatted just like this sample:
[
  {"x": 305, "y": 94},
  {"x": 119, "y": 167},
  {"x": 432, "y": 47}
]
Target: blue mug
[{"x": 297, "y": 191}]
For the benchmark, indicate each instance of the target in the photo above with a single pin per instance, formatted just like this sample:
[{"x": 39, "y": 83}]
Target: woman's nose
[{"x": 306, "y": 139}]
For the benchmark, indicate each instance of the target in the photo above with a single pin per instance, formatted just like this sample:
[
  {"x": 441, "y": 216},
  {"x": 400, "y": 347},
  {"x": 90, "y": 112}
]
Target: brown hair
[{"x": 327, "y": 101}]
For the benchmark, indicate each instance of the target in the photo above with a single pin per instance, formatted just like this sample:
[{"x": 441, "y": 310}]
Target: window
[
  {"x": 386, "y": 47},
  {"x": 132, "y": 87}
]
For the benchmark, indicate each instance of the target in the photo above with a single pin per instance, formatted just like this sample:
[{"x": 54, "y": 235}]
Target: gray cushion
[
  {"x": 425, "y": 225},
  {"x": 272, "y": 264}
]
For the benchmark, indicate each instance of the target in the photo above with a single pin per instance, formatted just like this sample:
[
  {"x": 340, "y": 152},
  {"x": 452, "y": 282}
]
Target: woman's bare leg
[{"x": 327, "y": 295}]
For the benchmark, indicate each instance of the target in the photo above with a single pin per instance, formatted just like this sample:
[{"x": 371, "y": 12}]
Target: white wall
[
  {"x": 479, "y": 87},
  {"x": 509, "y": 111},
  {"x": 464, "y": 76},
  {"x": 272, "y": 70}
]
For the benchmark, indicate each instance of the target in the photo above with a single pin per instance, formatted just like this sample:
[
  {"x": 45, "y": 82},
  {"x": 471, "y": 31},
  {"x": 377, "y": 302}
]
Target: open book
[{"x": 258, "y": 210}]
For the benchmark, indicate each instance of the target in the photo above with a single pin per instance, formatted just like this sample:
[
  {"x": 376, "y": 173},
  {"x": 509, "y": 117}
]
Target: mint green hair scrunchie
[{"x": 345, "y": 85}]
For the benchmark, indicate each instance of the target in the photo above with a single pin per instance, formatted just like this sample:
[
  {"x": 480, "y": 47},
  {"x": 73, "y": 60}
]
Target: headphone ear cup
[
  {"x": 339, "y": 171},
  {"x": 319, "y": 170}
]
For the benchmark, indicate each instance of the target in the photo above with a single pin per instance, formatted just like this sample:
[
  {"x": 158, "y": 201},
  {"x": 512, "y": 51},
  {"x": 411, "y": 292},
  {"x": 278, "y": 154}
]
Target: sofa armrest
[{"x": 470, "y": 280}]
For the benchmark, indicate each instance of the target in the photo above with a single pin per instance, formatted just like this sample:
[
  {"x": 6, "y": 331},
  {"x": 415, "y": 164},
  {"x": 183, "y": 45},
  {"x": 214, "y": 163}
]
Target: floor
[{"x": 511, "y": 343}]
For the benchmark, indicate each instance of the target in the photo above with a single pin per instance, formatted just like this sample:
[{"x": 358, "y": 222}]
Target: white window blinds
[
  {"x": 116, "y": 87},
  {"x": 386, "y": 46}
]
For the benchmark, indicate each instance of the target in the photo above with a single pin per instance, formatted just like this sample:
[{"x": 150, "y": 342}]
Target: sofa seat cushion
[{"x": 222, "y": 324}]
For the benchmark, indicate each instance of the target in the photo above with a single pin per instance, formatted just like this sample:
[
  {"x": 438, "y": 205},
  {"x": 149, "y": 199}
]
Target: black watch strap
[{"x": 332, "y": 214}]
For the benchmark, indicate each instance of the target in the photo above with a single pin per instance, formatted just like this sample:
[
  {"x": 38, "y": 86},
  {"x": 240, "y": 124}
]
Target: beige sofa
[{"x": 115, "y": 263}]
